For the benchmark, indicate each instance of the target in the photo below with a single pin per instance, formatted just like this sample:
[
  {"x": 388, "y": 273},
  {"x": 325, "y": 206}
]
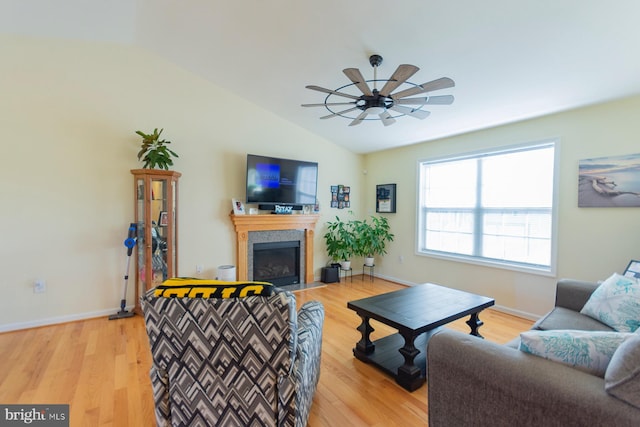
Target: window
[{"x": 492, "y": 207}]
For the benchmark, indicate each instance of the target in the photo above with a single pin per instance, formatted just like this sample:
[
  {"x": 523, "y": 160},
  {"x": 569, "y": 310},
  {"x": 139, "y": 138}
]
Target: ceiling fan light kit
[{"x": 379, "y": 103}]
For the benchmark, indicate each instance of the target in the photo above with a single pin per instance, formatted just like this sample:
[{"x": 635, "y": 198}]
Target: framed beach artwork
[{"x": 609, "y": 182}]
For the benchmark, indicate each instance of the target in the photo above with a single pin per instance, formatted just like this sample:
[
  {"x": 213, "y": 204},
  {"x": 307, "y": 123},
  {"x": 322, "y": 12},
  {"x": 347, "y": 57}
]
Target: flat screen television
[{"x": 271, "y": 180}]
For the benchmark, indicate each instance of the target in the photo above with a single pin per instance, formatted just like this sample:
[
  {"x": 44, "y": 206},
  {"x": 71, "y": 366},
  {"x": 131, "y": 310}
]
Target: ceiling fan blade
[
  {"x": 418, "y": 114},
  {"x": 441, "y": 83},
  {"x": 333, "y": 92},
  {"x": 386, "y": 118},
  {"x": 339, "y": 112},
  {"x": 330, "y": 104},
  {"x": 358, "y": 119},
  {"x": 430, "y": 100},
  {"x": 402, "y": 73},
  {"x": 356, "y": 77}
]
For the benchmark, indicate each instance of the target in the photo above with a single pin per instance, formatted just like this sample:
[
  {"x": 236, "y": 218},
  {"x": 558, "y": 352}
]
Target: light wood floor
[{"x": 100, "y": 367}]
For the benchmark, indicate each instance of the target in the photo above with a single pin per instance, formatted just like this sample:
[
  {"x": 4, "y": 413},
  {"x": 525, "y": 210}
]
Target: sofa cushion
[
  {"x": 589, "y": 351},
  {"x": 622, "y": 378},
  {"x": 564, "y": 318},
  {"x": 616, "y": 302},
  {"x": 186, "y": 287}
]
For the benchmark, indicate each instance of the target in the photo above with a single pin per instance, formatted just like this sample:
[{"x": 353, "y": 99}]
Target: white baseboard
[
  {"x": 90, "y": 315},
  {"x": 57, "y": 320},
  {"x": 517, "y": 313}
]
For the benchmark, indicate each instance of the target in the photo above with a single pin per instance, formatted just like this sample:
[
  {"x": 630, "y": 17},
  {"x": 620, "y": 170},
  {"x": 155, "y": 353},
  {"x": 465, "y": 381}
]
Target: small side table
[
  {"x": 371, "y": 271},
  {"x": 347, "y": 271}
]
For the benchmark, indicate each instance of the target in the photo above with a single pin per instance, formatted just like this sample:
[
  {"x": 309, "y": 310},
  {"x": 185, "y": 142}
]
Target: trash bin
[{"x": 227, "y": 273}]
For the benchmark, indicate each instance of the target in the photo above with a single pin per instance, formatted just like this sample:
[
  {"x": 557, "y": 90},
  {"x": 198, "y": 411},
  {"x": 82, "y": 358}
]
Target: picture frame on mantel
[
  {"x": 238, "y": 207},
  {"x": 386, "y": 198}
]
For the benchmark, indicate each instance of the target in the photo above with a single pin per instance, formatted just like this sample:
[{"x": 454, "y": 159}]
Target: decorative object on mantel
[
  {"x": 386, "y": 198},
  {"x": 378, "y": 103},
  {"x": 340, "y": 196},
  {"x": 154, "y": 151},
  {"x": 238, "y": 207},
  {"x": 609, "y": 182},
  {"x": 283, "y": 210}
]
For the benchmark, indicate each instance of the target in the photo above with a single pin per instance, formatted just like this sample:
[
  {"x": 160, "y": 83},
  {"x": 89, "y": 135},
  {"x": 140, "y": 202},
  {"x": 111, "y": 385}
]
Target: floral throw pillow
[
  {"x": 616, "y": 303},
  {"x": 589, "y": 351},
  {"x": 622, "y": 378}
]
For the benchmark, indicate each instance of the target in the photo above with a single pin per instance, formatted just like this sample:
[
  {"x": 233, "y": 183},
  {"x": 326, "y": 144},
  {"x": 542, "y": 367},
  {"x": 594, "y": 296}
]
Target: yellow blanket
[{"x": 186, "y": 287}]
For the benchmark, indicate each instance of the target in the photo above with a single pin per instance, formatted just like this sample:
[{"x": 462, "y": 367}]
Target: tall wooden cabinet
[{"x": 156, "y": 215}]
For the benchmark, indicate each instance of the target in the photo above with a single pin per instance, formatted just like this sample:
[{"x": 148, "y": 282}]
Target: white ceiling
[{"x": 511, "y": 60}]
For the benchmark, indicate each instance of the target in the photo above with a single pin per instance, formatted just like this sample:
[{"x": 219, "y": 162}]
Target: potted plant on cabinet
[
  {"x": 154, "y": 151},
  {"x": 340, "y": 240},
  {"x": 372, "y": 237}
]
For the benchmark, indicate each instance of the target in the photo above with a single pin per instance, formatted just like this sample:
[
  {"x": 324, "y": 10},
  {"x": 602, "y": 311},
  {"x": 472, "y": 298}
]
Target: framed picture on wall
[
  {"x": 340, "y": 196},
  {"x": 386, "y": 198}
]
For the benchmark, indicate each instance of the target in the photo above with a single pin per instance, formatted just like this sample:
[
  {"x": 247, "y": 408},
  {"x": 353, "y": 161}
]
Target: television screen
[{"x": 281, "y": 181}]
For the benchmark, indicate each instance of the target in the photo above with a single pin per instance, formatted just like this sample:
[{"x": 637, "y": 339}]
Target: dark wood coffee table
[{"x": 416, "y": 312}]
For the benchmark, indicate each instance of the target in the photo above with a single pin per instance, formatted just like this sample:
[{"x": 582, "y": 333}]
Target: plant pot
[
  {"x": 345, "y": 265},
  {"x": 368, "y": 261}
]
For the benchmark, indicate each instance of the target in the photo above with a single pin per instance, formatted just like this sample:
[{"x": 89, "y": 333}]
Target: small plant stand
[
  {"x": 347, "y": 271},
  {"x": 371, "y": 268}
]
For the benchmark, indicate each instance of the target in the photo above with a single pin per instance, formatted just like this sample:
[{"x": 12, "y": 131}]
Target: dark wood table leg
[
  {"x": 409, "y": 375},
  {"x": 364, "y": 346},
  {"x": 474, "y": 323}
]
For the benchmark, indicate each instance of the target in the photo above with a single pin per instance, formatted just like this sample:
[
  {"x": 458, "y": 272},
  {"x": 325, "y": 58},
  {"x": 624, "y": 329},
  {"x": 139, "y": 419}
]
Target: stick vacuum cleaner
[{"x": 129, "y": 243}]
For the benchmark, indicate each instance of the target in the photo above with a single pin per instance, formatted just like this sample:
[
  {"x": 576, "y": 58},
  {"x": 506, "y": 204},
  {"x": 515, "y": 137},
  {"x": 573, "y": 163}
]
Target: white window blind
[{"x": 493, "y": 207}]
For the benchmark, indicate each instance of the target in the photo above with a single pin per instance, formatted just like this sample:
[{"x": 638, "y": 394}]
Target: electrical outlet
[
  {"x": 198, "y": 268},
  {"x": 39, "y": 287},
  {"x": 401, "y": 259}
]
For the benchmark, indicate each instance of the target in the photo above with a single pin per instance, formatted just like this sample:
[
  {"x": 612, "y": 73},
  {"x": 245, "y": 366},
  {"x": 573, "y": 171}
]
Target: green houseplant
[
  {"x": 340, "y": 240},
  {"x": 372, "y": 237},
  {"x": 154, "y": 151}
]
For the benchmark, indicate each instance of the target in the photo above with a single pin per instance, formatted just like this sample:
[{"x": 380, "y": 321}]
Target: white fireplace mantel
[{"x": 245, "y": 223}]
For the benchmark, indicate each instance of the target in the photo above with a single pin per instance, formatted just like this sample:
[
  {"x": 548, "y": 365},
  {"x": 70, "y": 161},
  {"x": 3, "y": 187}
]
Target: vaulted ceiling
[{"x": 510, "y": 60}]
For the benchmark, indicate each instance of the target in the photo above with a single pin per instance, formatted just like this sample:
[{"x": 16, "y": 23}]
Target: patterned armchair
[{"x": 249, "y": 361}]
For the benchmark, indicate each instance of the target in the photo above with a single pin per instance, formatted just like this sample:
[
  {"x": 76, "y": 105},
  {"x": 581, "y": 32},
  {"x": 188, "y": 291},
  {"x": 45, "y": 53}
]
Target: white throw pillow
[
  {"x": 616, "y": 303},
  {"x": 589, "y": 351},
  {"x": 622, "y": 378}
]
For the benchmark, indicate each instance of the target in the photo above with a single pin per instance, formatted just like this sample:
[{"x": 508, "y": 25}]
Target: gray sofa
[{"x": 474, "y": 382}]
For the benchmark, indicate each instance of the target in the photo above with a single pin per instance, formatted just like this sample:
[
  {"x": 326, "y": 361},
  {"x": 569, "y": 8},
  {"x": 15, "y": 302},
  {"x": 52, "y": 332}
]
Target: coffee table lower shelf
[{"x": 387, "y": 357}]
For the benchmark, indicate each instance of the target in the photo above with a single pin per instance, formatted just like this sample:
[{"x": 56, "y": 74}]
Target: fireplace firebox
[{"x": 277, "y": 262}]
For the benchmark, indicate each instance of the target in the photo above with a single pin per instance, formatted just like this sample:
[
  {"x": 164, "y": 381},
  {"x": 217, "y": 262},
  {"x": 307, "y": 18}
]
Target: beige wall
[
  {"x": 592, "y": 242},
  {"x": 68, "y": 113}
]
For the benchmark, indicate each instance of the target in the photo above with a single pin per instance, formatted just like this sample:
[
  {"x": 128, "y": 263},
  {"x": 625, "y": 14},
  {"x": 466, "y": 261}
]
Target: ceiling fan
[{"x": 378, "y": 102}]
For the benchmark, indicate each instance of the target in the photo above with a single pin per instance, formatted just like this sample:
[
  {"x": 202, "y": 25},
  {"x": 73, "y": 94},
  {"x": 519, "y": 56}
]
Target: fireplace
[
  {"x": 277, "y": 262},
  {"x": 249, "y": 226}
]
